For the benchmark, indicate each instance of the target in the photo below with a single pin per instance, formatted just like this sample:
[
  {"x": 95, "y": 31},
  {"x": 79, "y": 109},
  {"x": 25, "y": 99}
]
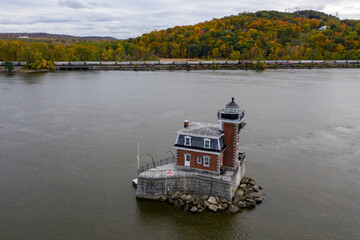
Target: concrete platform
[{"x": 166, "y": 178}]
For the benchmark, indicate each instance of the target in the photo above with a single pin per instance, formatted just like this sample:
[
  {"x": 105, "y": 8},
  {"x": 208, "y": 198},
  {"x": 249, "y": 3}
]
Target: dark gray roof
[
  {"x": 198, "y": 143},
  {"x": 202, "y": 129},
  {"x": 232, "y": 103}
]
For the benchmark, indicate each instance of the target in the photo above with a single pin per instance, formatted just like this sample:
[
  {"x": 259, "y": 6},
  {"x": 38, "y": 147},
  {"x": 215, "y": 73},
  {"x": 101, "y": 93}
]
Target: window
[
  {"x": 206, "y": 143},
  {"x": 206, "y": 161},
  {"x": 187, "y": 160},
  {"x": 187, "y": 141},
  {"x": 198, "y": 160}
]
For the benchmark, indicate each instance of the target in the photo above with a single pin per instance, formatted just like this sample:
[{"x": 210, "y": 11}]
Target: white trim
[
  {"x": 187, "y": 138},
  {"x": 219, "y": 144},
  {"x": 207, "y": 157},
  {"x": 203, "y": 136},
  {"x": 177, "y": 139},
  {"x": 201, "y": 151},
  {"x": 231, "y": 121},
  {"x": 207, "y": 139},
  {"x": 187, "y": 154},
  {"x": 197, "y": 160}
]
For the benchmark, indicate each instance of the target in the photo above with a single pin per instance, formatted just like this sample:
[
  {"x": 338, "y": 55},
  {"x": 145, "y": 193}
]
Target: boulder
[
  {"x": 260, "y": 187},
  {"x": 206, "y": 203},
  {"x": 255, "y": 188},
  {"x": 223, "y": 200},
  {"x": 213, "y": 207},
  {"x": 258, "y": 200},
  {"x": 245, "y": 180},
  {"x": 233, "y": 209},
  {"x": 188, "y": 198},
  {"x": 200, "y": 210},
  {"x": 222, "y": 207},
  {"x": 176, "y": 195},
  {"x": 204, "y": 197},
  {"x": 212, "y": 200},
  {"x": 193, "y": 209},
  {"x": 177, "y": 204},
  {"x": 171, "y": 200},
  {"x": 239, "y": 193},
  {"x": 242, "y": 186},
  {"x": 163, "y": 198},
  {"x": 181, "y": 202},
  {"x": 252, "y": 182},
  {"x": 254, "y": 195},
  {"x": 241, "y": 204},
  {"x": 183, "y": 196}
]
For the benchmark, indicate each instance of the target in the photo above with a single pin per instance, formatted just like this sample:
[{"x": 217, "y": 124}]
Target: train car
[
  {"x": 219, "y": 62},
  {"x": 123, "y": 63},
  {"x": 294, "y": 61},
  {"x": 137, "y": 62},
  {"x": 92, "y": 63},
  {"x": 166, "y": 62},
  {"x": 22, "y": 63},
  {"x": 151, "y": 62},
  {"x": 1, "y": 63},
  {"x": 193, "y": 62},
  {"x": 340, "y": 61},
  {"x": 244, "y": 61},
  {"x": 206, "y": 62},
  {"x": 268, "y": 62},
  {"x": 305, "y": 61},
  {"x": 180, "y": 62},
  {"x": 318, "y": 61},
  {"x": 232, "y": 62},
  {"x": 282, "y": 61},
  {"x": 329, "y": 61},
  {"x": 77, "y": 63},
  {"x": 57, "y": 63},
  {"x": 107, "y": 62},
  {"x": 352, "y": 61}
]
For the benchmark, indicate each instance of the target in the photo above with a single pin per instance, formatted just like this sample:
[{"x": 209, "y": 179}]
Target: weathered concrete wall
[{"x": 148, "y": 187}]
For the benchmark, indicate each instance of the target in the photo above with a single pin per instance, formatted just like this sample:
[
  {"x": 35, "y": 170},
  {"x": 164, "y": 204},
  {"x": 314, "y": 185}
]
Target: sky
[{"x": 125, "y": 19}]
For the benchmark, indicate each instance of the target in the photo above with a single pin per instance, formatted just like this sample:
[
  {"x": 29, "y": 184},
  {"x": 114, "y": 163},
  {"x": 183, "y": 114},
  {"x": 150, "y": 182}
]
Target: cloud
[
  {"x": 76, "y": 4},
  {"x": 132, "y": 18}
]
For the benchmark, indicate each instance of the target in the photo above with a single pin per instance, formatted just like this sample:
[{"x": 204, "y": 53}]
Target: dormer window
[
  {"x": 206, "y": 143},
  {"x": 187, "y": 141}
]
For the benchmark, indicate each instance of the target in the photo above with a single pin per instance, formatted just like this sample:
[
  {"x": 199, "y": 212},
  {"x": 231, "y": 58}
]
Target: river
[{"x": 68, "y": 145}]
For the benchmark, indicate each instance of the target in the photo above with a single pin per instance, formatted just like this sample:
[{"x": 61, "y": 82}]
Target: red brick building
[{"x": 211, "y": 147}]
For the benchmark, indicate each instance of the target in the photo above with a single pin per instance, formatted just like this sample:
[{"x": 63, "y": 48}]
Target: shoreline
[{"x": 187, "y": 67}]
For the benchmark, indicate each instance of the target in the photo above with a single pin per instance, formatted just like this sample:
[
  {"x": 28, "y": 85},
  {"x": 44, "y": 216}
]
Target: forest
[{"x": 263, "y": 35}]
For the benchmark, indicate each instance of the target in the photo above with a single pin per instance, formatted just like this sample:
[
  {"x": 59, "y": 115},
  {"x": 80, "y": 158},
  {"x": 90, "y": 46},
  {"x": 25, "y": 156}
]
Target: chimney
[{"x": 186, "y": 123}]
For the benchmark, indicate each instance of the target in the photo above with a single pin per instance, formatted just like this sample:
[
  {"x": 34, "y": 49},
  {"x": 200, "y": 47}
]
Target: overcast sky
[{"x": 125, "y": 18}]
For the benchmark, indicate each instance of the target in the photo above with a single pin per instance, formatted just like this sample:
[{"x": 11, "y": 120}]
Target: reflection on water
[{"x": 68, "y": 145}]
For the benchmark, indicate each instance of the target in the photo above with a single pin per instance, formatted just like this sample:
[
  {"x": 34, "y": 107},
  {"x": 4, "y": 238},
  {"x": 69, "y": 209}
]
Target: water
[{"x": 68, "y": 144}]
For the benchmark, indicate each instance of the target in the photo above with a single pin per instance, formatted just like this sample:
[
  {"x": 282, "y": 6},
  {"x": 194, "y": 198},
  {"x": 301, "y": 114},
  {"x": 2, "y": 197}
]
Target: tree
[{"x": 9, "y": 66}]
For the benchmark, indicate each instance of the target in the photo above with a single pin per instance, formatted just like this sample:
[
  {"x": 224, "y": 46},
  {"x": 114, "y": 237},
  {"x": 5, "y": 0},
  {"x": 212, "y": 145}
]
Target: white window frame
[
  {"x": 199, "y": 160},
  {"x": 207, "y": 140},
  {"x": 187, "y": 138},
  {"x": 187, "y": 155},
  {"x": 208, "y": 162}
]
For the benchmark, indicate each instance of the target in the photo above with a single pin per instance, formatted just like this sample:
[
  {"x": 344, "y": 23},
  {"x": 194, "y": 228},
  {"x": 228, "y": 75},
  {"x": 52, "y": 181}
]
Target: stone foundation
[{"x": 152, "y": 187}]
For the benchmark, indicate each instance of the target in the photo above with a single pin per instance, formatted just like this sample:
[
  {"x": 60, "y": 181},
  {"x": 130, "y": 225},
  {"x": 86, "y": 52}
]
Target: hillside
[
  {"x": 49, "y": 37},
  {"x": 250, "y": 36},
  {"x": 260, "y": 35}
]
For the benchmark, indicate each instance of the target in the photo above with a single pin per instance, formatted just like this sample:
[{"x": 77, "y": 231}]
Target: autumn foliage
[{"x": 250, "y": 36}]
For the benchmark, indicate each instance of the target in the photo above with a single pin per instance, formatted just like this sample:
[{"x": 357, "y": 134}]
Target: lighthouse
[
  {"x": 231, "y": 122},
  {"x": 211, "y": 147}
]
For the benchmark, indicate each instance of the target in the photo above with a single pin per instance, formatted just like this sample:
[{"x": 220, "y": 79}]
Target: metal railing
[{"x": 155, "y": 164}]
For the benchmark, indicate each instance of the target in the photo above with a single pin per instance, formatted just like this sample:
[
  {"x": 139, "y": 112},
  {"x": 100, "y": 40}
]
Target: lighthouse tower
[{"x": 231, "y": 122}]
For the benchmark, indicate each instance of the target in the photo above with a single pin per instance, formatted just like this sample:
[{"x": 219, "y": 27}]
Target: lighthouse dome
[{"x": 232, "y": 107}]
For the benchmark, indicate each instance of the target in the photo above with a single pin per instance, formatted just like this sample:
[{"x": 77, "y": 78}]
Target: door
[{"x": 187, "y": 160}]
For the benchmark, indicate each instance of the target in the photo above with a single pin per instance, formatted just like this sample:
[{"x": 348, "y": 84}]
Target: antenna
[{"x": 138, "y": 156}]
